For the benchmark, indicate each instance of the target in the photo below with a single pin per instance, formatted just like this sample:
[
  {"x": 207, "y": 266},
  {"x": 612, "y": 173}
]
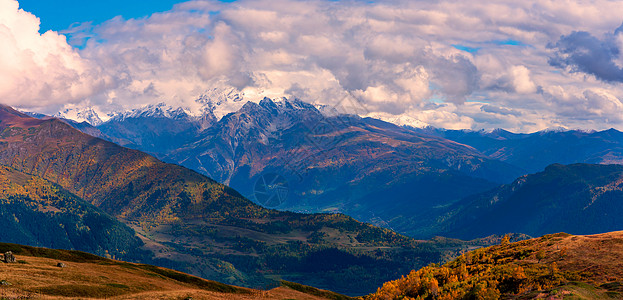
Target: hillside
[
  {"x": 36, "y": 212},
  {"x": 578, "y": 198},
  {"x": 551, "y": 267},
  {"x": 36, "y": 274},
  {"x": 194, "y": 224}
]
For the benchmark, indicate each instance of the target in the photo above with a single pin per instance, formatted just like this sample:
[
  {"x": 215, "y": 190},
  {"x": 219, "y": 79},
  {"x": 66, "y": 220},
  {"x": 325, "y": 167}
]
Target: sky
[
  {"x": 61, "y": 14},
  {"x": 522, "y": 66}
]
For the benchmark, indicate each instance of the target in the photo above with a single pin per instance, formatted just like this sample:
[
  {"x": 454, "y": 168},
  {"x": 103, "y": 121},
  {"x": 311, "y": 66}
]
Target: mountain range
[
  {"x": 392, "y": 176},
  {"x": 190, "y": 222},
  {"x": 331, "y": 163},
  {"x": 533, "y": 152}
]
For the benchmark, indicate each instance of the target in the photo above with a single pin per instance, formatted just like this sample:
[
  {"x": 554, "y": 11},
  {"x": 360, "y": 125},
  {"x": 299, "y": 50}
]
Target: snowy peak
[
  {"x": 327, "y": 110},
  {"x": 80, "y": 115},
  {"x": 159, "y": 110},
  {"x": 284, "y": 105},
  {"x": 218, "y": 102},
  {"x": 401, "y": 120}
]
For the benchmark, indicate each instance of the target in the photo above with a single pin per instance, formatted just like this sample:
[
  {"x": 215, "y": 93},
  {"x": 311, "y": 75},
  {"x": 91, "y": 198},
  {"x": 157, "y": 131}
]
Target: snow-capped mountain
[
  {"x": 80, "y": 115},
  {"x": 401, "y": 120},
  {"x": 160, "y": 110}
]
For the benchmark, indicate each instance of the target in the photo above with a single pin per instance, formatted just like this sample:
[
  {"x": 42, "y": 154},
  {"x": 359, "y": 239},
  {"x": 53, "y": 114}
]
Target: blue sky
[{"x": 60, "y": 14}]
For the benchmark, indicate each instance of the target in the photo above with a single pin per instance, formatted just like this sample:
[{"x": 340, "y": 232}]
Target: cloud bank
[{"x": 457, "y": 64}]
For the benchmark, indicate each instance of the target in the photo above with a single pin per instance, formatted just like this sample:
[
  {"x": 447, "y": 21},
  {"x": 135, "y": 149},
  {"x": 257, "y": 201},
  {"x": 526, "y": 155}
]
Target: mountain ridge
[
  {"x": 542, "y": 203},
  {"x": 194, "y": 224}
]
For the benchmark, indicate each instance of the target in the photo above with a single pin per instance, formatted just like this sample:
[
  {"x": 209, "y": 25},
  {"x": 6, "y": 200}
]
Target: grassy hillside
[
  {"x": 36, "y": 212},
  {"x": 36, "y": 275},
  {"x": 194, "y": 224},
  {"x": 557, "y": 266}
]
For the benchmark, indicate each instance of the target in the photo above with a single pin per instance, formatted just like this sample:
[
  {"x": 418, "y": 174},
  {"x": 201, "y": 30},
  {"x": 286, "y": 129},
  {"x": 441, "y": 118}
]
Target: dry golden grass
[
  {"x": 40, "y": 278},
  {"x": 599, "y": 254}
]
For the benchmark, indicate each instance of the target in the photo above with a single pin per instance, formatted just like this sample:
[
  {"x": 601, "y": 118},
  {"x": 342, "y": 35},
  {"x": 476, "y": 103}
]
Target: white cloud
[
  {"x": 394, "y": 58},
  {"x": 41, "y": 70}
]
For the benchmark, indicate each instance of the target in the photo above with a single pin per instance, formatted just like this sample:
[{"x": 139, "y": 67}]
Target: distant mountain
[
  {"x": 36, "y": 212},
  {"x": 330, "y": 162},
  {"x": 80, "y": 115},
  {"x": 555, "y": 266},
  {"x": 156, "y": 129},
  {"x": 535, "y": 151},
  {"x": 372, "y": 170},
  {"x": 578, "y": 198},
  {"x": 192, "y": 223}
]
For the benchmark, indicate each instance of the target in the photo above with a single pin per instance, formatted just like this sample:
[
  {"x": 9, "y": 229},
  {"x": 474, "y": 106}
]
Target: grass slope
[
  {"x": 36, "y": 275},
  {"x": 551, "y": 267}
]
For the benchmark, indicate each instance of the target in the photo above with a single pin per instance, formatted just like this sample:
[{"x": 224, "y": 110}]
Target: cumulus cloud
[
  {"x": 41, "y": 70},
  {"x": 395, "y": 59}
]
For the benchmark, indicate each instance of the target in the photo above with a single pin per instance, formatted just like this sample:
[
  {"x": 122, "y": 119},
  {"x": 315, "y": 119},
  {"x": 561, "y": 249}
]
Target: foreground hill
[
  {"x": 37, "y": 274},
  {"x": 194, "y": 224},
  {"x": 578, "y": 198},
  {"x": 533, "y": 152},
  {"x": 557, "y": 266},
  {"x": 36, "y": 212}
]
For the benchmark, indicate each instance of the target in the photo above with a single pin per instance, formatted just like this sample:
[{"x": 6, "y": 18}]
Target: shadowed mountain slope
[
  {"x": 369, "y": 169},
  {"x": 36, "y": 212},
  {"x": 578, "y": 198},
  {"x": 366, "y": 168}
]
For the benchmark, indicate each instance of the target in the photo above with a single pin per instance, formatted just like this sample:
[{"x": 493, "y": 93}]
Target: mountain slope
[
  {"x": 369, "y": 169},
  {"x": 551, "y": 267},
  {"x": 194, "y": 224},
  {"x": 36, "y": 212},
  {"x": 366, "y": 168},
  {"x": 156, "y": 129},
  {"x": 578, "y": 198}
]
